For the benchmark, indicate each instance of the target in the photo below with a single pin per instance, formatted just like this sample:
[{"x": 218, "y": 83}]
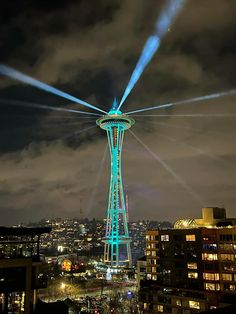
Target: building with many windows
[
  {"x": 21, "y": 272},
  {"x": 191, "y": 268}
]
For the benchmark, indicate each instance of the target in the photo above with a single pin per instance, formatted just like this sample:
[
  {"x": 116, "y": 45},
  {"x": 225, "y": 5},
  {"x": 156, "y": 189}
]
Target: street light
[{"x": 63, "y": 285}]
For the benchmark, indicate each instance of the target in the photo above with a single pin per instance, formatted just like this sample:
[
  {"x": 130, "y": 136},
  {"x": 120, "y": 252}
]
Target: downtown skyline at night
[{"x": 56, "y": 164}]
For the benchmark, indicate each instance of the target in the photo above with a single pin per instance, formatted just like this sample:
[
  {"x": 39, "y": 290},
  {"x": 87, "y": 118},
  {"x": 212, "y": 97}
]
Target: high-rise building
[
  {"x": 20, "y": 273},
  {"x": 192, "y": 267}
]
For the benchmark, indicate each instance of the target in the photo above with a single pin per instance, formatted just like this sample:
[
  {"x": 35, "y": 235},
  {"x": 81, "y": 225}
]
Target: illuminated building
[
  {"x": 141, "y": 269},
  {"x": 117, "y": 240},
  {"x": 192, "y": 269},
  {"x": 20, "y": 273}
]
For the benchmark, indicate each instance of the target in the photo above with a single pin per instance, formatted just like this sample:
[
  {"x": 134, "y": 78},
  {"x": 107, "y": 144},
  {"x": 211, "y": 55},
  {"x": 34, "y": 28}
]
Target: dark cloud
[{"x": 89, "y": 49}]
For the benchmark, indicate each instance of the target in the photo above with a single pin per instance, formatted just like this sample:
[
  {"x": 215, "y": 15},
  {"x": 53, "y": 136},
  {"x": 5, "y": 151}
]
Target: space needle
[{"x": 117, "y": 250}]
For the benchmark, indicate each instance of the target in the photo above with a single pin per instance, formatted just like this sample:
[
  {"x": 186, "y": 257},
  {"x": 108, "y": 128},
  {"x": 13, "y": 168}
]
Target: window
[
  {"x": 229, "y": 267},
  {"x": 209, "y": 286},
  {"x": 212, "y": 286},
  {"x": 209, "y": 247},
  {"x": 227, "y": 257},
  {"x": 153, "y": 245},
  {"x": 154, "y": 253},
  {"x": 192, "y": 265},
  {"x": 149, "y": 276},
  {"x": 194, "y": 304},
  {"x": 226, "y": 237},
  {"x": 178, "y": 303},
  {"x": 154, "y": 269},
  {"x": 160, "y": 308},
  {"x": 192, "y": 275},
  {"x": 227, "y": 247},
  {"x": 190, "y": 237},
  {"x": 154, "y": 277},
  {"x": 210, "y": 266},
  {"x": 177, "y": 237},
  {"x": 211, "y": 276},
  {"x": 232, "y": 287},
  {"x": 165, "y": 237},
  {"x": 228, "y": 277},
  {"x": 209, "y": 257}
]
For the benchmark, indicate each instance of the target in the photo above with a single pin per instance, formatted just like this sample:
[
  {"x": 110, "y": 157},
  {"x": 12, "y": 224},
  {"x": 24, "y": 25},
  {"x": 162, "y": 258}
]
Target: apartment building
[{"x": 192, "y": 267}]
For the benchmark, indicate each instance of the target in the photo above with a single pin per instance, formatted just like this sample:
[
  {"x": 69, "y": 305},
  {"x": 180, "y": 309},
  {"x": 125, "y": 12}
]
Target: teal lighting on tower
[{"x": 117, "y": 240}]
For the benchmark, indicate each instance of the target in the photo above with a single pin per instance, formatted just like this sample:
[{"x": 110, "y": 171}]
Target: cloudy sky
[{"x": 50, "y": 167}]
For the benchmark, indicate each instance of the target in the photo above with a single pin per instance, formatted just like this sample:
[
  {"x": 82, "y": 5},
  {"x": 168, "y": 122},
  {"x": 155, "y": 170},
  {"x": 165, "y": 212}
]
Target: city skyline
[{"x": 81, "y": 48}]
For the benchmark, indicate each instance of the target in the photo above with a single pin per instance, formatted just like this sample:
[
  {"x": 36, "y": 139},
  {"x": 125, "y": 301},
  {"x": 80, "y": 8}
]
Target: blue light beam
[
  {"x": 16, "y": 75},
  {"x": 187, "y": 101},
  {"x": 169, "y": 170},
  {"x": 162, "y": 26},
  {"x": 39, "y": 106}
]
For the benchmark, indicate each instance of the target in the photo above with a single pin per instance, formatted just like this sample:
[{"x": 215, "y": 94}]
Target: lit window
[
  {"x": 148, "y": 253},
  {"x": 227, "y": 257},
  {"x": 154, "y": 269},
  {"x": 178, "y": 303},
  {"x": 194, "y": 304},
  {"x": 154, "y": 277},
  {"x": 209, "y": 257},
  {"x": 193, "y": 275},
  {"x": 212, "y": 286},
  {"x": 232, "y": 287},
  {"x": 154, "y": 253},
  {"x": 165, "y": 237},
  {"x": 190, "y": 237},
  {"x": 211, "y": 276},
  {"x": 228, "y": 246},
  {"x": 147, "y": 238},
  {"x": 160, "y": 308},
  {"x": 192, "y": 265},
  {"x": 149, "y": 276},
  {"x": 228, "y": 277},
  {"x": 153, "y": 245},
  {"x": 209, "y": 286}
]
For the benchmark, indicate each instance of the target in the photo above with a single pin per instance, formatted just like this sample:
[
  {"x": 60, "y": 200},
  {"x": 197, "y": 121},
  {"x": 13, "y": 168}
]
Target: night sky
[{"x": 89, "y": 49}]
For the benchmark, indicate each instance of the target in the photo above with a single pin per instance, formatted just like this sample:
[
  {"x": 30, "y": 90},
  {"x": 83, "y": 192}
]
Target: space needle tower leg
[{"x": 117, "y": 250}]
